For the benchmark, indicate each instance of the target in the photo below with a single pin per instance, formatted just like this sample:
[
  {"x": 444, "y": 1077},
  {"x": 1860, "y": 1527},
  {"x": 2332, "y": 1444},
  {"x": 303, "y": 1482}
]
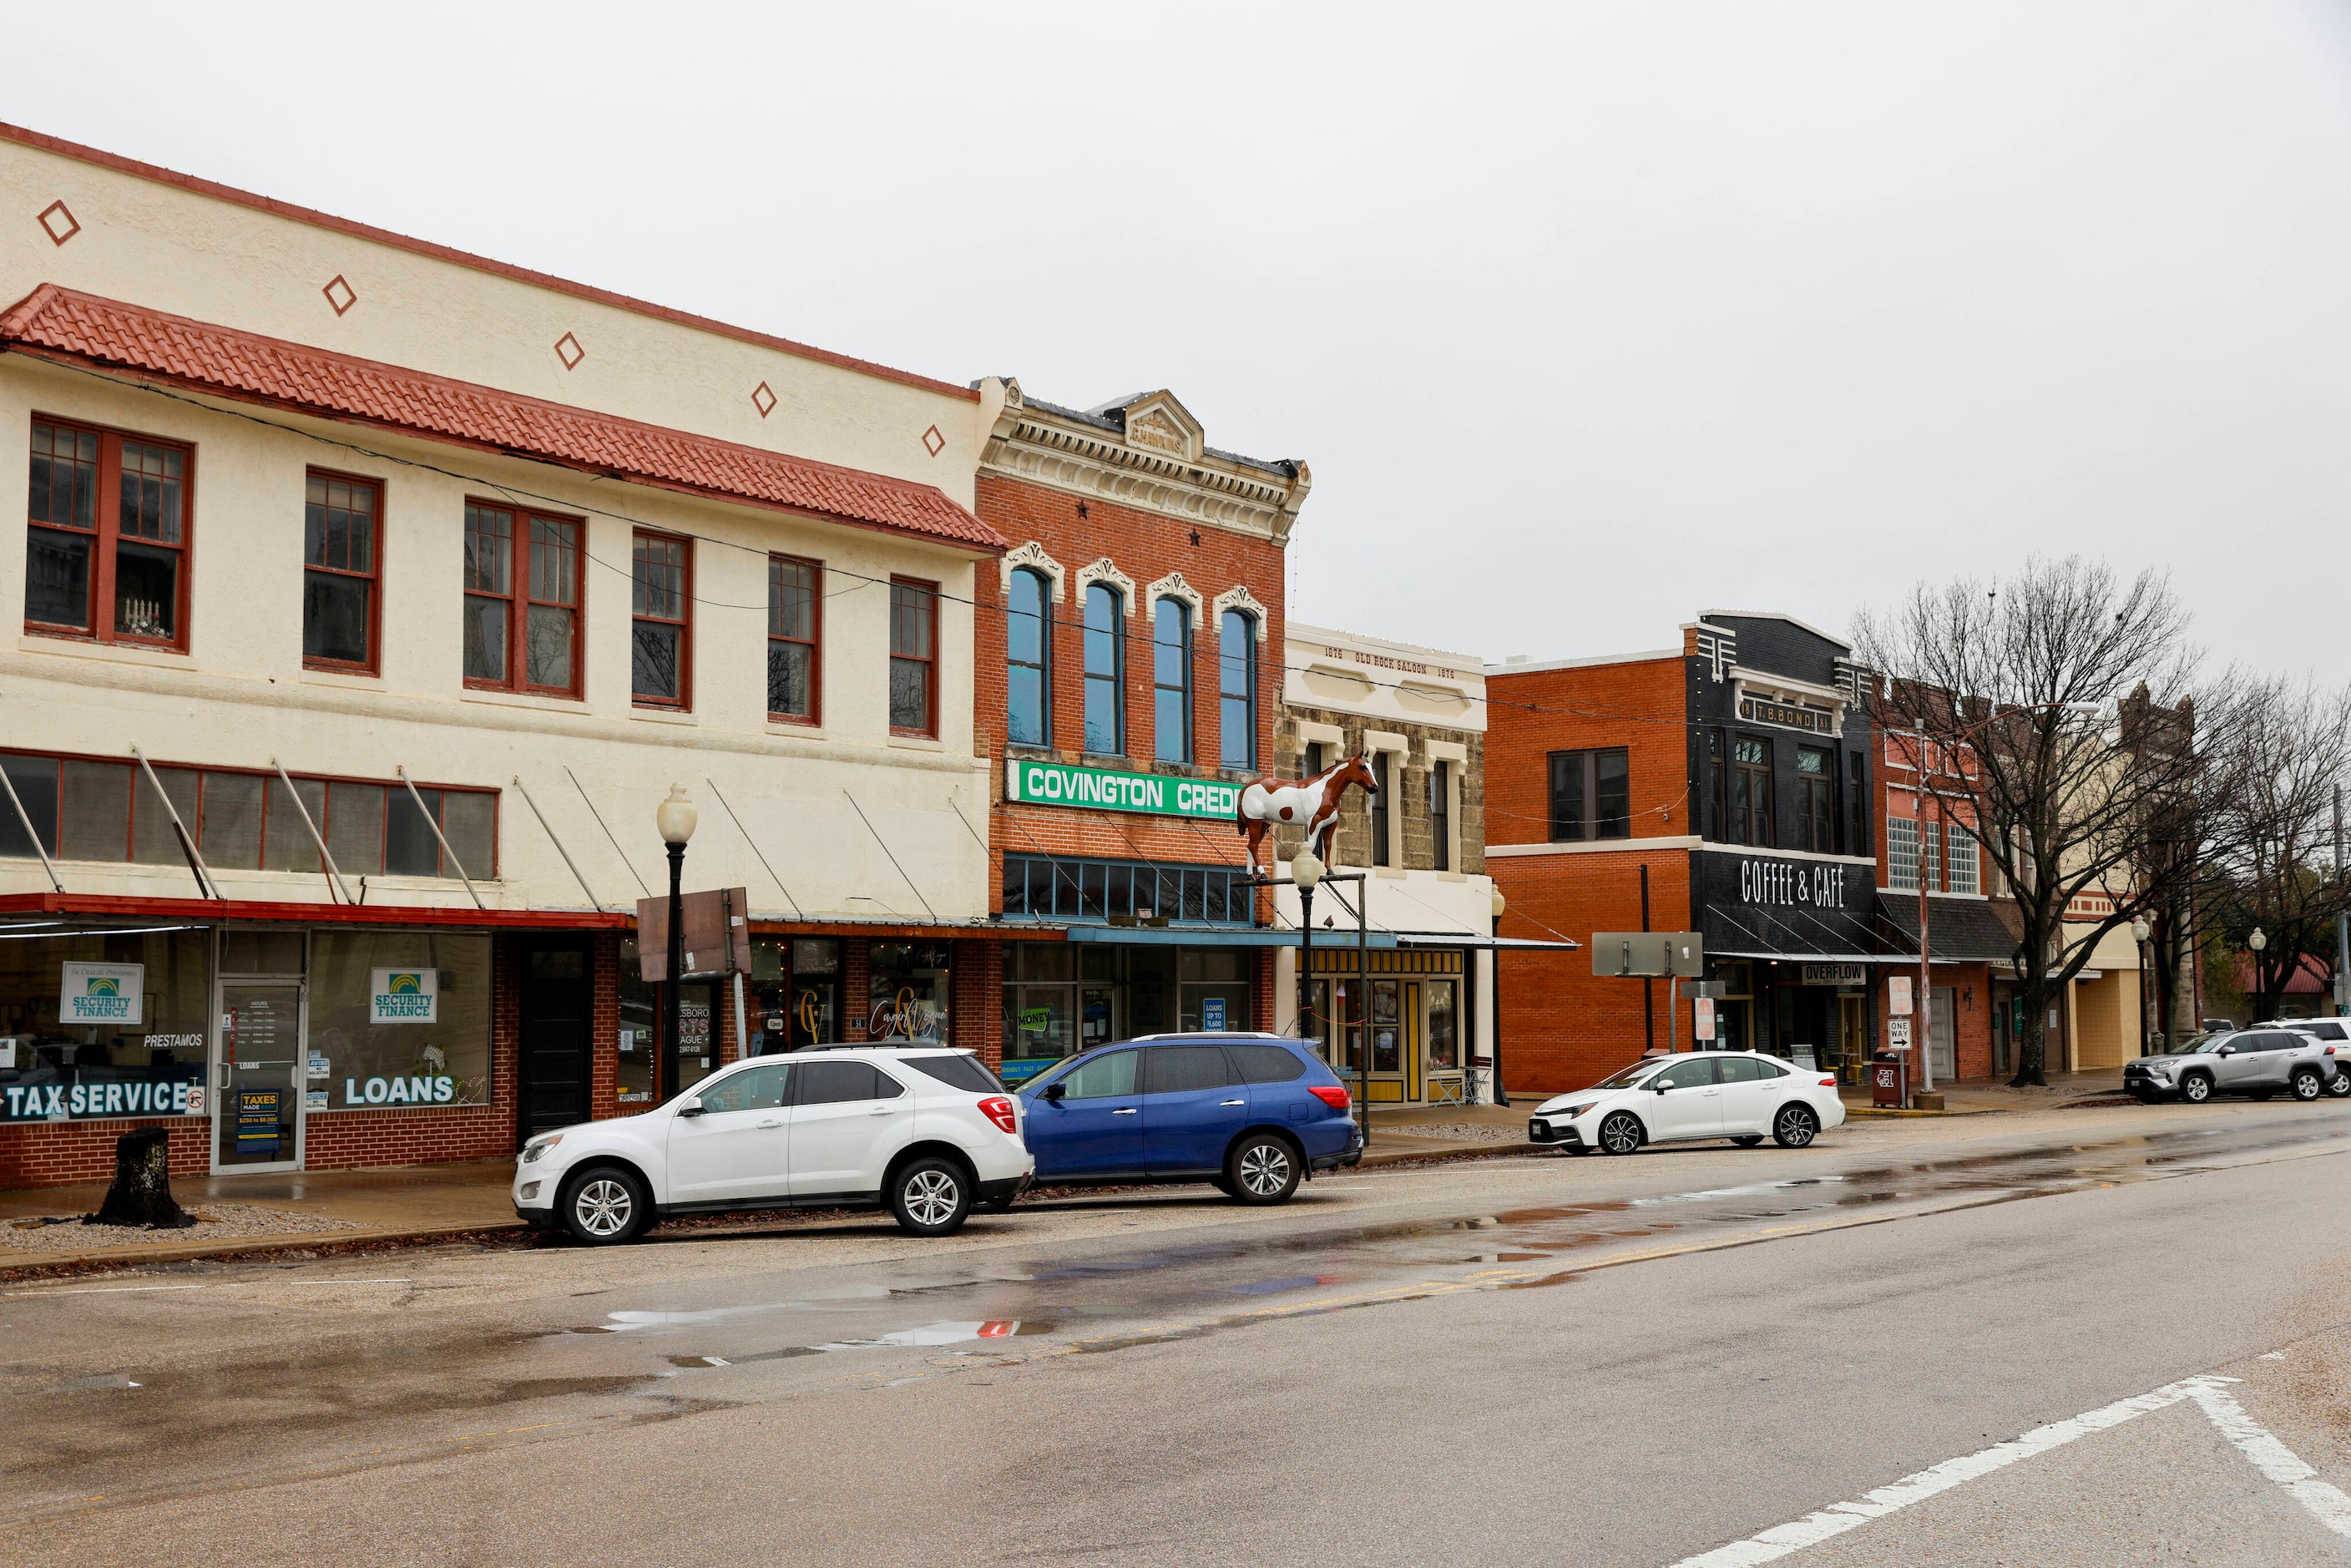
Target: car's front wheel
[
  {"x": 1261, "y": 1169},
  {"x": 1620, "y": 1133},
  {"x": 606, "y": 1205},
  {"x": 2340, "y": 1084},
  {"x": 2196, "y": 1089},
  {"x": 1795, "y": 1126},
  {"x": 2307, "y": 1085},
  {"x": 930, "y": 1197}
]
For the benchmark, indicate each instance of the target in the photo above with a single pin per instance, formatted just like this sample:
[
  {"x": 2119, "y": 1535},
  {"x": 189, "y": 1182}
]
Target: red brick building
[
  {"x": 1126, "y": 686},
  {"x": 1930, "y": 834},
  {"x": 1721, "y": 786}
]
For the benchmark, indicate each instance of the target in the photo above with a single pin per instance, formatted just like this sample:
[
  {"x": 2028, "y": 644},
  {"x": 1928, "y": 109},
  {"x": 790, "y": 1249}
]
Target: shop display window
[
  {"x": 1443, "y": 1031},
  {"x": 1040, "y": 1002},
  {"x": 1387, "y": 1026},
  {"x": 640, "y": 1032},
  {"x": 909, "y": 992},
  {"x": 398, "y": 1017},
  {"x": 1214, "y": 993},
  {"x": 96, "y": 1023}
]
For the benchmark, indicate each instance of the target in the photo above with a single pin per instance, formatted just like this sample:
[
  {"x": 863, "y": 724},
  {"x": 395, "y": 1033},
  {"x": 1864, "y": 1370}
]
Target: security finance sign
[
  {"x": 403, "y": 996},
  {"x": 101, "y": 994},
  {"x": 1108, "y": 790}
]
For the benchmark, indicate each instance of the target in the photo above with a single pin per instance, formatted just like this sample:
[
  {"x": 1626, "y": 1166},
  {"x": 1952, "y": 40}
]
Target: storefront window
[
  {"x": 97, "y": 1024},
  {"x": 1387, "y": 1027},
  {"x": 1040, "y": 1008},
  {"x": 816, "y": 992},
  {"x": 1443, "y": 1037},
  {"x": 909, "y": 992},
  {"x": 1215, "y": 988},
  {"x": 640, "y": 1038},
  {"x": 398, "y": 1017}
]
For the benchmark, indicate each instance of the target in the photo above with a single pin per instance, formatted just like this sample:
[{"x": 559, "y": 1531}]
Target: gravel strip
[
  {"x": 215, "y": 1222},
  {"x": 1456, "y": 1132}
]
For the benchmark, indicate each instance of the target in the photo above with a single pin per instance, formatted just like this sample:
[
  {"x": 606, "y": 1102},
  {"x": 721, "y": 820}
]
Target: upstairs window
[
  {"x": 1027, "y": 660},
  {"x": 661, "y": 629},
  {"x": 1967, "y": 864},
  {"x": 1106, "y": 671},
  {"x": 1750, "y": 792},
  {"x": 106, "y": 553},
  {"x": 794, "y": 603},
  {"x": 1440, "y": 815},
  {"x": 522, "y": 601},
  {"x": 1816, "y": 800},
  {"x": 1902, "y": 854},
  {"x": 340, "y": 571},
  {"x": 1591, "y": 794},
  {"x": 1384, "y": 773},
  {"x": 913, "y": 657},
  {"x": 1171, "y": 681},
  {"x": 1237, "y": 689}
]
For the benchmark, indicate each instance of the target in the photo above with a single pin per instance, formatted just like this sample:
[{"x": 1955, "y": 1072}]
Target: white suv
[{"x": 922, "y": 1130}]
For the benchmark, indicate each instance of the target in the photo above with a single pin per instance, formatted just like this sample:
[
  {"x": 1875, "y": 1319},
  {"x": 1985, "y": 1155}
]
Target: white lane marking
[
  {"x": 2328, "y": 1504},
  {"x": 105, "y": 1291},
  {"x": 1839, "y": 1516}
]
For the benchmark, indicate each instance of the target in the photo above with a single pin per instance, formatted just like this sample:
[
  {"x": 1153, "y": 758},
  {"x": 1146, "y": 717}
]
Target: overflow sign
[{"x": 1107, "y": 789}]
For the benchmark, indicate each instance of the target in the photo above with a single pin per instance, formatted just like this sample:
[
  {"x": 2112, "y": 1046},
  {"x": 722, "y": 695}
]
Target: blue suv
[{"x": 1253, "y": 1113}]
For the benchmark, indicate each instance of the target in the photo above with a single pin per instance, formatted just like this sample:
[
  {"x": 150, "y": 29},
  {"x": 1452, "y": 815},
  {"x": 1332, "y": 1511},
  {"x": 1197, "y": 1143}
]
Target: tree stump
[{"x": 142, "y": 1193}]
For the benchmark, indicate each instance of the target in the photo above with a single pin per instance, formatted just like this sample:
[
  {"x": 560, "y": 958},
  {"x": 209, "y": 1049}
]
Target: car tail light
[
  {"x": 1828, "y": 1082},
  {"x": 998, "y": 1110},
  {"x": 1331, "y": 1094}
]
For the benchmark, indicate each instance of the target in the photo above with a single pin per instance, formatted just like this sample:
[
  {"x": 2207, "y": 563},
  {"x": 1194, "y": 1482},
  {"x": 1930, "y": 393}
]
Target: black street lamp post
[
  {"x": 1306, "y": 870},
  {"x": 675, "y": 818}
]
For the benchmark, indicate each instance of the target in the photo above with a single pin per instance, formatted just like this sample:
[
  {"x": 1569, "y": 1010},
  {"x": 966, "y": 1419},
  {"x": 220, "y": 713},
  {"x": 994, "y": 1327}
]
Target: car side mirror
[
  {"x": 1053, "y": 1093},
  {"x": 2227, "y": 1051},
  {"x": 1663, "y": 1087},
  {"x": 692, "y": 1108}
]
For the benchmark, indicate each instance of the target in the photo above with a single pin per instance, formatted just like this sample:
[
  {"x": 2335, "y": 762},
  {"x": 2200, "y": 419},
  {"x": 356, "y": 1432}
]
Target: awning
[
  {"x": 1958, "y": 930},
  {"x": 213, "y": 911},
  {"x": 1218, "y": 937},
  {"x": 1480, "y": 943}
]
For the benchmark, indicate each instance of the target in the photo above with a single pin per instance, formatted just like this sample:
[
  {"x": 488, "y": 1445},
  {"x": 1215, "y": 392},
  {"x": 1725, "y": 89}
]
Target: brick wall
[
  {"x": 1641, "y": 706},
  {"x": 1563, "y": 1026},
  {"x": 1147, "y": 546},
  {"x": 978, "y": 1010}
]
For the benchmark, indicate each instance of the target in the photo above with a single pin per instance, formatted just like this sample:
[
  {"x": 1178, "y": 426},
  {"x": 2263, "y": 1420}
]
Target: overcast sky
[{"x": 1587, "y": 317}]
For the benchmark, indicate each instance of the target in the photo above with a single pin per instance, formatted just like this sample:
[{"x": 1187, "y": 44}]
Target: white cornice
[{"x": 1044, "y": 447}]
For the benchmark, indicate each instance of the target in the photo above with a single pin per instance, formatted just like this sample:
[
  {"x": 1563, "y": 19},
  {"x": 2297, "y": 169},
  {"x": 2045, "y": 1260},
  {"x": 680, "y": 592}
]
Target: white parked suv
[
  {"x": 922, "y": 1130},
  {"x": 1742, "y": 1095}
]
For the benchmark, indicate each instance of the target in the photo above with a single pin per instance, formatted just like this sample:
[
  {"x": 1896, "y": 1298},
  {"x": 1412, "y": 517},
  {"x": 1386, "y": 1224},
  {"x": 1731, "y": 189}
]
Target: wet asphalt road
[{"x": 1612, "y": 1361}]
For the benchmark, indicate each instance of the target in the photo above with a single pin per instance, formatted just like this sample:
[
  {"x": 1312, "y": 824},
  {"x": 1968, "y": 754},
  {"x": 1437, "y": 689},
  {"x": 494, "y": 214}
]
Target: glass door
[{"x": 258, "y": 1074}]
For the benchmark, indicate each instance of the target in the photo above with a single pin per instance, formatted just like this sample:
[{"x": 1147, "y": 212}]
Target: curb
[
  {"x": 1379, "y": 1157},
  {"x": 197, "y": 1252}
]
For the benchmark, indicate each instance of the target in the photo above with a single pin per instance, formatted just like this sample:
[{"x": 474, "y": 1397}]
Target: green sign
[{"x": 1107, "y": 789}]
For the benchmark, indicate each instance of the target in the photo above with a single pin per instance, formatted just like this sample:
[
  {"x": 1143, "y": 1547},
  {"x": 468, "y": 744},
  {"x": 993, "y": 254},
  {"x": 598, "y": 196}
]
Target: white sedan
[{"x": 1742, "y": 1095}]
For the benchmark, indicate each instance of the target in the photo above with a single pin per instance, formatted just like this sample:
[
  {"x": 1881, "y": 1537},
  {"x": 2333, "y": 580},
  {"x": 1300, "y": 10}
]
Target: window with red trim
[
  {"x": 913, "y": 657},
  {"x": 661, "y": 634},
  {"x": 522, "y": 601},
  {"x": 342, "y": 569},
  {"x": 105, "y": 554},
  {"x": 795, "y": 658}
]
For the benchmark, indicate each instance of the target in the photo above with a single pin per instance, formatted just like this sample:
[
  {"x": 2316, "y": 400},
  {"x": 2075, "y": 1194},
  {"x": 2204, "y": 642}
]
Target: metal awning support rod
[
  {"x": 763, "y": 858},
  {"x": 607, "y": 829},
  {"x": 325, "y": 857},
  {"x": 202, "y": 872},
  {"x": 25, "y": 816},
  {"x": 433, "y": 823},
  {"x": 525, "y": 790}
]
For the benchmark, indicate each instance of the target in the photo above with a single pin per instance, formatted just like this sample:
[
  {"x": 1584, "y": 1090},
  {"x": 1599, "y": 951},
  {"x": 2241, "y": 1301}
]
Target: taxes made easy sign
[
  {"x": 102, "y": 993},
  {"x": 403, "y": 996},
  {"x": 1109, "y": 789}
]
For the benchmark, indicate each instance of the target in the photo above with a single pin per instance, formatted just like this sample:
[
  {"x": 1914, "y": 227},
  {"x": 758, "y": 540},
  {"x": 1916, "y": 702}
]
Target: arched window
[
  {"x": 1171, "y": 680},
  {"x": 1106, "y": 671},
  {"x": 1237, "y": 688},
  {"x": 1027, "y": 657}
]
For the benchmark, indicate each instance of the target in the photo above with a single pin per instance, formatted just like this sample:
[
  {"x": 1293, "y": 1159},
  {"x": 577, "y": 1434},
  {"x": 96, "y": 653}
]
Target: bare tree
[
  {"x": 2275, "y": 867},
  {"x": 2073, "y": 689}
]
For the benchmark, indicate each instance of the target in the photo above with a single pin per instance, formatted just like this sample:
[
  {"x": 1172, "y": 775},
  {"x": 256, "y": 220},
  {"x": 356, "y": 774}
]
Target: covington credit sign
[{"x": 1107, "y": 789}]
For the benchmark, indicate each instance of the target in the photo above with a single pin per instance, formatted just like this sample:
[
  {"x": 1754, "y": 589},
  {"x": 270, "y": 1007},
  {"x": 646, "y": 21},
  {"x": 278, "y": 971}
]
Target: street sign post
[
  {"x": 1648, "y": 955},
  {"x": 1897, "y": 1034},
  {"x": 1702, "y": 1025}
]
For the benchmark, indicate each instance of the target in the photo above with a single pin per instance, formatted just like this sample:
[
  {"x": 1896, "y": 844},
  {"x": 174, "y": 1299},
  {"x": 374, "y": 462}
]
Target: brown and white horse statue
[{"x": 1264, "y": 802}]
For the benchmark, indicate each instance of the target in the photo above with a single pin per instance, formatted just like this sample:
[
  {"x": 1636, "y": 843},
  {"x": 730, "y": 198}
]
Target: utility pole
[
  {"x": 1648, "y": 996},
  {"x": 2342, "y": 919},
  {"x": 1923, "y": 1034}
]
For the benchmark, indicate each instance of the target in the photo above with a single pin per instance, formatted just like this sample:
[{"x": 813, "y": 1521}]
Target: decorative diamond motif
[
  {"x": 568, "y": 350},
  {"x": 763, "y": 400},
  {"x": 340, "y": 294},
  {"x": 59, "y": 223},
  {"x": 933, "y": 442}
]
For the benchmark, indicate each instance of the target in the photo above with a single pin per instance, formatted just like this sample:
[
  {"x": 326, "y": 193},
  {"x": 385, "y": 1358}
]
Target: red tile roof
[{"x": 59, "y": 324}]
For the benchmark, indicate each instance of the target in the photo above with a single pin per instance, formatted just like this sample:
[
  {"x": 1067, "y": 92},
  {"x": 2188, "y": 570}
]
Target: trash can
[{"x": 1889, "y": 1083}]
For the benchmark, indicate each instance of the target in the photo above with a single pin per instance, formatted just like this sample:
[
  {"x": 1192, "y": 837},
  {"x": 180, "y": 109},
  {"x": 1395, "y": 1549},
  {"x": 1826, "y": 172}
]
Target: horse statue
[{"x": 1314, "y": 801}]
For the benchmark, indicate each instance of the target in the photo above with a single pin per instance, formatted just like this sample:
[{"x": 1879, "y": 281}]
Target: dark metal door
[{"x": 557, "y": 1034}]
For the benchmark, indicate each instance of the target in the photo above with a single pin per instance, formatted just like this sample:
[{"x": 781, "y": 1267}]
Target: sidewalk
[
  {"x": 266, "y": 1213},
  {"x": 1434, "y": 1131},
  {"x": 1975, "y": 1096}
]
